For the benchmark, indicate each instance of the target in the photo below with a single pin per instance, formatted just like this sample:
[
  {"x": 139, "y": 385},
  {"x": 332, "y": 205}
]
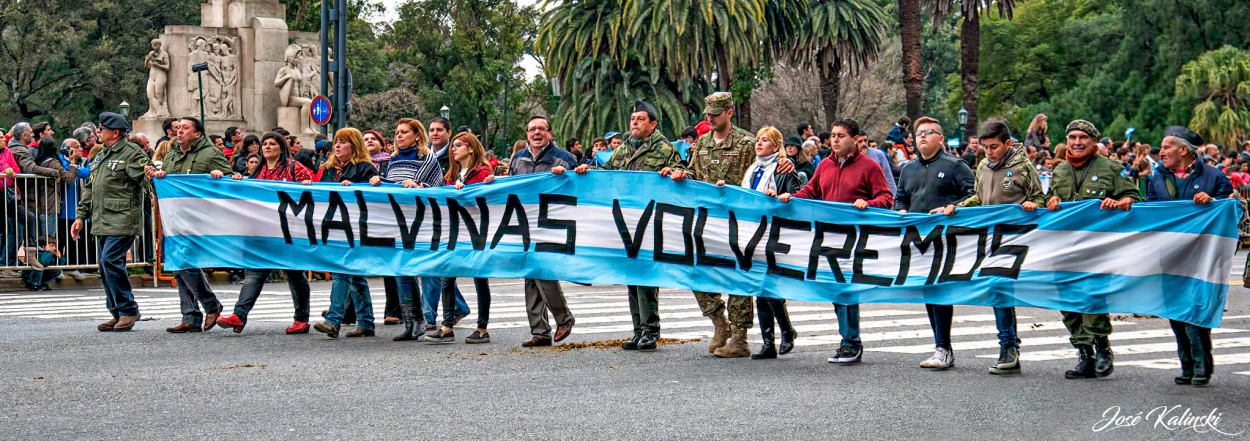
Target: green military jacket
[
  {"x": 113, "y": 195},
  {"x": 1013, "y": 181},
  {"x": 651, "y": 154},
  {"x": 1100, "y": 178},
  {"x": 727, "y": 161},
  {"x": 203, "y": 157}
]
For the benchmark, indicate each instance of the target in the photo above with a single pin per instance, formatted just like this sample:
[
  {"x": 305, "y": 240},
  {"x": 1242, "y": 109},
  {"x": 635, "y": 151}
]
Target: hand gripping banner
[{"x": 1168, "y": 259}]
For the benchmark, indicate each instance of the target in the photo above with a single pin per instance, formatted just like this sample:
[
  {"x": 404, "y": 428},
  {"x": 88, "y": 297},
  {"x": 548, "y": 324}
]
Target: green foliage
[
  {"x": 1220, "y": 81},
  {"x": 70, "y": 59}
]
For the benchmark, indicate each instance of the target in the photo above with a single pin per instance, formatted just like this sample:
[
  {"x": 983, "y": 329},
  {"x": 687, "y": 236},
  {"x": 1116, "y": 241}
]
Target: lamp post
[
  {"x": 124, "y": 109},
  {"x": 555, "y": 95},
  {"x": 503, "y": 108},
  {"x": 963, "y": 120},
  {"x": 199, "y": 73}
]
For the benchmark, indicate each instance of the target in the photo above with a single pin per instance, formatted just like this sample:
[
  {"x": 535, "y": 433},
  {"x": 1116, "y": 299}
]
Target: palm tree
[
  {"x": 1220, "y": 79},
  {"x": 913, "y": 76},
  {"x": 970, "y": 46},
  {"x": 840, "y": 32}
]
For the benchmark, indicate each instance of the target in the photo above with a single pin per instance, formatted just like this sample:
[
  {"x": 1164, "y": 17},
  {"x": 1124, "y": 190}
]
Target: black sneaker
[
  {"x": 1008, "y": 362},
  {"x": 478, "y": 337},
  {"x": 847, "y": 355},
  {"x": 438, "y": 337}
]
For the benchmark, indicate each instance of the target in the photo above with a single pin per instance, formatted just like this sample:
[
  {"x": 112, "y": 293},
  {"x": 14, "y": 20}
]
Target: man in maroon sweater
[{"x": 851, "y": 177}]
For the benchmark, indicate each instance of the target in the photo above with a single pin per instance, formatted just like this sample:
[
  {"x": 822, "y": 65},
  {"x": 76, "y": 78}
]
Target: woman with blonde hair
[
  {"x": 467, "y": 167},
  {"x": 349, "y": 163},
  {"x": 762, "y": 176},
  {"x": 1036, "y": 136}
]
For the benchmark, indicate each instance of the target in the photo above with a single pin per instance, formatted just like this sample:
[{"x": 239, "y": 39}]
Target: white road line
[
  {"x": 1036, "y": 341},
  {"x": 1148, "y": 348}
]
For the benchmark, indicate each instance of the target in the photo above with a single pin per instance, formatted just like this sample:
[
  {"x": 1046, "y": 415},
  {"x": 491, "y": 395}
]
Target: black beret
[
  {"x": 110, "y": 120},
  {"x": 1184, "y": 133},
  {"x": 643, "y": 106}
]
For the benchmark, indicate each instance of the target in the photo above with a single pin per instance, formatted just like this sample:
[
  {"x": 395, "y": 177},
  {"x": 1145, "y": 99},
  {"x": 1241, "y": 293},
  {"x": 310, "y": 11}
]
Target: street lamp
[
  {"x": 445, "y": 112},
  {"x": 124, "y": 109},
  {"x": 963, "y": 121},
  {"x": 555, "y": 95}
]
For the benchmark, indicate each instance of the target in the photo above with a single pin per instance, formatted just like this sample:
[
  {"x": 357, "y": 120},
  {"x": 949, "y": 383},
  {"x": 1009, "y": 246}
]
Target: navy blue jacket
[{"x": 1203, "y": 179}]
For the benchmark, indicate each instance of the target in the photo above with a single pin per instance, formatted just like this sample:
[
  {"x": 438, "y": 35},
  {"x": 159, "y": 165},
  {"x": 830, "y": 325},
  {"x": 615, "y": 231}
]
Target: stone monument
[{"x": 260, "y": 74}]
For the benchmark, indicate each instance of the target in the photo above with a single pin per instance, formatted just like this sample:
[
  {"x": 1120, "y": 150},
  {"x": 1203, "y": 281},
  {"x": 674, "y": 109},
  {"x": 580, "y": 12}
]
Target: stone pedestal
[{"x": 291, "y": 117}]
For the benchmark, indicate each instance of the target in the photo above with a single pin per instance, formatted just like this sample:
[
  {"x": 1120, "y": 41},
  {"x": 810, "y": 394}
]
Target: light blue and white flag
[{"x": 1169, "y": 259}]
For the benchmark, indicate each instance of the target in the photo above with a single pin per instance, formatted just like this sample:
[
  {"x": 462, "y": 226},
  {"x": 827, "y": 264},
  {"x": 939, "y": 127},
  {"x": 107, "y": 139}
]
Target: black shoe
[
  {"x": 44, "y": 288},
  {"x": 648, "y": 341},
  {"x": 1008, "y": 362},
  {"x": 478, "y": 337},
  {"x": 848, "y": 355},
  {"x": 1184, "y": 379},
  {"x": 437, "y": 336},
  {"x": 632, "y": 343},
  {"x": 787, "y": 341},
  {"x": 768, "y": 352},
  {"x": 1084, "y": 364},
  {"x": 1104, "y": 359},
  {"x": 1201, "y": 381}
]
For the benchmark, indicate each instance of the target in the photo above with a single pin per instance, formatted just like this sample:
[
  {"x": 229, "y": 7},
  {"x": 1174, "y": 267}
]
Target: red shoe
[
  {"x": 298, "y": 328},
  {"x": 231, "y": 322}
]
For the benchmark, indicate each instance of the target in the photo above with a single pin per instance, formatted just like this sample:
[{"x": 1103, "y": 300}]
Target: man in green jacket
[
  {"x": 112, "y": 199},
  {"x": 193, "y": 153},
  {"x": 646, "y": 150},
  {"x": 1088, "y": 175}
]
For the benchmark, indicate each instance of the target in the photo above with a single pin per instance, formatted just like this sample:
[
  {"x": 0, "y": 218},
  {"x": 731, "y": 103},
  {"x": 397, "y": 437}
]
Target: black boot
[
  {"x": 768, "y": 351},
  {"x": 413, "y": 328},
  {"x": 1084, "y": 364},
  {"x": 787, "y": 331},
  {"x": 1103, "y": 357},
  {"x": 632, "y": 343},
  {"x": 648, "y": 341}
]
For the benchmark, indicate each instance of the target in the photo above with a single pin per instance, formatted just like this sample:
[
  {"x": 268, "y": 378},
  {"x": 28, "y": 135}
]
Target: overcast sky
[{"x": 530, "y": 64}]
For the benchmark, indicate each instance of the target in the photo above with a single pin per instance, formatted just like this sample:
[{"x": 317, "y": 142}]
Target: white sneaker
[
  {"x": 75, "y": 274},
  {"x": 942, "y": 359}
]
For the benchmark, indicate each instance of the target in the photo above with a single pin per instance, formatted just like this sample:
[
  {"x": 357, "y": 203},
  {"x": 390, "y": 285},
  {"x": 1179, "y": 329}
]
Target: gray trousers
[
  {"x": 193, "y": 290},
  {"x": 541, "y": 296}
]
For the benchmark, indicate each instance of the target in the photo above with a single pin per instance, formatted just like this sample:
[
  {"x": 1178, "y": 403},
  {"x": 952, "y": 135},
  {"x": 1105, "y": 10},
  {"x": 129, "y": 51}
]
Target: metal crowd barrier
[{"x": 36, "y": 208}]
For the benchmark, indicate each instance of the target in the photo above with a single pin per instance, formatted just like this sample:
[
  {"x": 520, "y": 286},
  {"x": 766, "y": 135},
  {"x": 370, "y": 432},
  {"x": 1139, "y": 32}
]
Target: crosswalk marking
[{"x": 603, "y": 313}]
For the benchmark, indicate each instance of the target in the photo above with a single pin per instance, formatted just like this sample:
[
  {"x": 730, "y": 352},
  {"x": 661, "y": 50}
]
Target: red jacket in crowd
[{"x": 858, "y": 178}]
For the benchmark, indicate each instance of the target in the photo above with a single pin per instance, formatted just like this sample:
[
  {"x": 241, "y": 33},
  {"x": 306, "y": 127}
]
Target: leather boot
[
  {"x": 648, "y": 341},
  {"x": 737, "y": 347},
  {"x": 1103, "y": 357},
  {"x": 768, "y": 351},
  {"x": 722, "y": 333},
  {"x": 787, "y": 331},
  {"x": 1084, "y": 364},
  {"x": 126, "y": 323},
  {"x": 406, "y": 314}
]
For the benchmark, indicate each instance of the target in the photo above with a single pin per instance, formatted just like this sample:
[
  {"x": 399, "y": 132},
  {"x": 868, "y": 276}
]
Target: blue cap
[{"x": 610, "y": 135}]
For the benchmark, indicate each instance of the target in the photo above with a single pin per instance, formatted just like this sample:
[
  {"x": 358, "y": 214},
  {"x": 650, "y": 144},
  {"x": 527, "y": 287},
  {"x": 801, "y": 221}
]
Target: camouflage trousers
[
  {"x": 741, "y": 308},
  {"x": 1084, "y": 327}
]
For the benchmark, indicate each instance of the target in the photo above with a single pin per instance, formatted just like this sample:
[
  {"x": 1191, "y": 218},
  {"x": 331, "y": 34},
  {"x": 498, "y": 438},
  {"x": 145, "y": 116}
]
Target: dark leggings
[
  {"x": 940, "y": 317},
  {"x": 392, "y": 297},
  {"x": 483, "y": 301}
]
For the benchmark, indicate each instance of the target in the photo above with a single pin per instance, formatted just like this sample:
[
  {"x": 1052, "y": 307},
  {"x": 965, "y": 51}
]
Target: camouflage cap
[
  {"x": 1084, "y": 126},
  {"x": 717, "y": 103}
]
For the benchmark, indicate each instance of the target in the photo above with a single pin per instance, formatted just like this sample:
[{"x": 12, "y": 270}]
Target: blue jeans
[
  {"x": 357, "y": 288},
  {"x": 848, "y": 324},
  {"x": 940, "y": 317},
  {"x": 1005, "y": 320},
  {"x": 117, "y": 294},
  {"x": 431, "y": 291},
  {"x": 407, "y": 289}
]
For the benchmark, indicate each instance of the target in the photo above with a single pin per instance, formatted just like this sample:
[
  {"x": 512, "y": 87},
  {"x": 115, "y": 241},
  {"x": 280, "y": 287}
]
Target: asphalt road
[{"x": 64, "y": 380}]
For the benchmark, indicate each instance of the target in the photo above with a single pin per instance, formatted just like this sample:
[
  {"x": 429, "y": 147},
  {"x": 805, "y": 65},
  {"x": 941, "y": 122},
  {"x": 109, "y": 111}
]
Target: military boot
[
  {"x": 722, "y": 333},
  {"x": 632, "y": 344},
  {"x": 1103, "y": 358},
  {"x": 737, "y": 346},
  {"x": 1084, "y": 364},
  {"x": 648, "y": 341},
  {"x": 768, "y": 351},
  {"x": 412, "y": 329}
]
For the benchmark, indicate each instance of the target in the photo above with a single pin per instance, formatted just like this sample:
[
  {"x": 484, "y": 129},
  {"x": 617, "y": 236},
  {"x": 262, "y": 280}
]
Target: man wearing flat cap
[
  {"x": 1181, "y": 176},
  {"x": 646, "y": 150},
  {"x": 722, "y": 157},
  {"x": 1089, "y": 175},
  {"x": 112, "y": 200}
]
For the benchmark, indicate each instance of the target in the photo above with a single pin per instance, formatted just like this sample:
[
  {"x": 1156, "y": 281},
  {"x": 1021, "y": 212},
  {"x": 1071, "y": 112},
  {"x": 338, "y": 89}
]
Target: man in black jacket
[{"x": 929, "y": 183}]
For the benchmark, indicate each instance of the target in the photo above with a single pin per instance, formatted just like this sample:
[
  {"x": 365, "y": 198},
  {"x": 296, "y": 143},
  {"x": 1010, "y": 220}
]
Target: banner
[{"x": 1168, "y": 259}]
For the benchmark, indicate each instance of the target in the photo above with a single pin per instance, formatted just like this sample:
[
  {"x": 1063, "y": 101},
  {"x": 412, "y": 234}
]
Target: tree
[
  {"x": 1220, "y": 80},
  {"x": 840, "y": 32},
  {"x": 910, "y": 28},
  {"x": 970, "y": 45}
]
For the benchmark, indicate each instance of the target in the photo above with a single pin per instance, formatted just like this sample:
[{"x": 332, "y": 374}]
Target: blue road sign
[{"x": 320, "y": 110}]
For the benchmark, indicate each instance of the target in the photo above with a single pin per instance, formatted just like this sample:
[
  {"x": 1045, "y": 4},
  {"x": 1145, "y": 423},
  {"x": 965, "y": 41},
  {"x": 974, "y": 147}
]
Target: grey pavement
[{"x": 65, "y": 380}]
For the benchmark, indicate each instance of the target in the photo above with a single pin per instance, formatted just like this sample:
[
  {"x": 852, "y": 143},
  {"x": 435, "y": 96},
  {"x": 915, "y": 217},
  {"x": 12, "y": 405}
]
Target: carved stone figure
[
  {"x": 157, "y": 63},
  {"x": 229, "y": 69},
  {"x": 198, "y": 53},
  {"x": 290, "y": 85}
]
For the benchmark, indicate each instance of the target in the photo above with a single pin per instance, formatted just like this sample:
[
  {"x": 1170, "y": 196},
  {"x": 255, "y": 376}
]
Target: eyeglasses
[
  {"x": 927, "y": 132},
  {"x": 536, "y": 129}
]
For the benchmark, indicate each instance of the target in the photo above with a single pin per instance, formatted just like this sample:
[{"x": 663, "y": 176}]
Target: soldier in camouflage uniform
[
  {"x": 112, "y": 200},
  {"x": 1088, "y": 175},
  {"x": 722, "y": 156},
  {"x": 646, "y": 150}
]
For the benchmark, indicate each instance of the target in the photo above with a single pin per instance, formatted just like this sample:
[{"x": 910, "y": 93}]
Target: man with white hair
[{"x": 141, "y": 139}]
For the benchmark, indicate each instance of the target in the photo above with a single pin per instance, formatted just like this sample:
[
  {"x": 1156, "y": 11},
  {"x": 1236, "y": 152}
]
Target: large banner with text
[{"x": 1167, "y": 259}]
